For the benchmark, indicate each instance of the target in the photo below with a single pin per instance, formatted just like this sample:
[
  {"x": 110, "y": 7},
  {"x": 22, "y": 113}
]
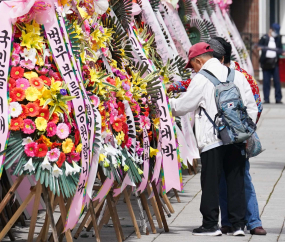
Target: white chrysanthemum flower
[
  {"x": 29, "y": 166},
  {"x": 56, "y": 171},
  {"x": 27, "y": 140},
  {"x": 46, "y": 165},
  {"x": 15, "y": 109}
]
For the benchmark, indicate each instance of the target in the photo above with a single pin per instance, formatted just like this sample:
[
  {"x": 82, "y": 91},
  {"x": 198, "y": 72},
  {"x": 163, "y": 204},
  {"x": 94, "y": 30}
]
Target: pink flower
[
  {"x": 53, "y": 154},
  {"x": 95, "y": 100},
  {"x": 22, "y": 83},
  {"x": 62, "y": 131},
  {"x": 31, "y": 149},
  {"x": 74, "y": 156},
  {"x": 43, "y": 70},
  {"x": 143, "y": 100},
  {"x": 129, "y": 94},
  {"x": 29, "y": 126},
  {"x": 28, "y": 64},
  {"x": 69, "y": 105},
  {"x": 15, "y": 59},
  {"x": 113, "y": 115},
  {"x": 129, "y": 143},
  {"x": 51, "y": 129},
  {"x": 87, "y": 27},
  {"x": 17, "y": 48},
  {"x": 145, "y": 122}
]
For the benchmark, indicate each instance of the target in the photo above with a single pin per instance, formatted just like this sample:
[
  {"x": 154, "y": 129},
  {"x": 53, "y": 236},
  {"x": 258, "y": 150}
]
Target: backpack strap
[
  {"x": 231, "y": 75},
  {"x": 210, "y": 76}
]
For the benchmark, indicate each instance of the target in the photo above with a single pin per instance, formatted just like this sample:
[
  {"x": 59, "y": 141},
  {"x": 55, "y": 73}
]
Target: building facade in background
[{"x": 253, "y": 19}]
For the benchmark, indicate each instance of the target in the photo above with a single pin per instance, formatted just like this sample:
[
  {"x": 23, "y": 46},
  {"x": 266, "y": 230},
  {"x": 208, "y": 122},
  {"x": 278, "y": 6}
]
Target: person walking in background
[
  {"x": 271, "y": 47},
  {"x": 253, "y": 221},
  {"x": 215, "y": 155}
]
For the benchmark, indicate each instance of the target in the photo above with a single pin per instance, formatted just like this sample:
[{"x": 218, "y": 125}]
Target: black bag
[{"x": 269, "y": 63}]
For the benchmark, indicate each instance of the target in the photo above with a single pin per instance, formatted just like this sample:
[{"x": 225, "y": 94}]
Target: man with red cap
[{"x": 215, "y": 156}]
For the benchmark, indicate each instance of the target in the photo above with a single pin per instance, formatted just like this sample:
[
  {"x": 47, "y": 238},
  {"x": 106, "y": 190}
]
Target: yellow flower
[
  {"x": 140, "y": 171},
  {"x": 41, "y": 123},
  {"x": 120, "y": 94},
  {"x": 79, "y": 148},
  {"x": 126, "y": 168},
  {"x": 32, "y": 94},
  {"x": 30, "y": 75},
  {"x": 101, "y": 157},
  {"x": 156, "y": 122},
  {"x": 82, "y": 12},
  {"x": 153, "y": 152},
  {"x": 67, "y": 145},
  {"x": 120, "y": 137},
  {"x": 55, "y": 85}
]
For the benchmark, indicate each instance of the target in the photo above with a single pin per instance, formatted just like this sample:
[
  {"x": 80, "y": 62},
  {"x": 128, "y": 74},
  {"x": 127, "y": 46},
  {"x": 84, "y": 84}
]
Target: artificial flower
[
  {"x": 29, "y": 55},
  {"x": 145, "y": 122},
  {"x": 153, "y": 152},
  {"x": 31, "y": 149},
  {"x": 46, "y": 80},
  {"x": 11, "y": 83},
  {"x": 76, "y": 167},
  {"x": 55, "y": 86},
  {"x": 53, "y": 154},
  {"x": 29, "y": 166},
  {"x": 55, "y": 144},
  {"x": 17, "y": 72},
  {"x": 102, "y": 157},
  {"x": 68, "y": 169},
  {"x": 16, "y": 48},
  {"x": 15, "y": 109},
  {"x": 15, "y": 59},
  {"x": 36, "y": 82},
  {"x": 67, "y": 145},
  {"x": 54, "y": 118},
  {"x": 29, "y": 126},
  {"x": 45, "y": 140},
  {"x": 41, "y": 123},
  {"x": 44, "y": 113},
  {"x": 74, "y": 156},
  {"x": 16, "y": 124},
  {"x": 32, "y": 109},
  {"x": 51, "y": 129},
  {"x": 56, "y": 171},
  {"x": 22, "y": 83},
  {"x": 18, "y": 94},
  {"x": 78, "y": 148},
  {"x": 23, "y": 115},
  {"x": 42, "y": 150},
  {"x": 32, "y": 94},
  {"x": 27, "y": 140},
  {"x": 62, "y": 131},
  {"x": 61, "y": 159},
  {"x": 46, "y": 165},
  {"x": 117, "y": 125},
  {"x": 129, "y": 143},
  {"x": 28, "y": 64},
  {"x": 121, "y": 108},
  {"x": 140, "y": 171},
  {"x": 126, "y": 168},
  {"x": 120, "y": 138},
  {"x": 30, "y": 75}
]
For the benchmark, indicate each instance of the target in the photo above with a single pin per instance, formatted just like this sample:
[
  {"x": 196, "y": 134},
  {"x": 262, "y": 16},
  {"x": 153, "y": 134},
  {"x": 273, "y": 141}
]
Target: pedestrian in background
[{"x": 271, "y": 47}]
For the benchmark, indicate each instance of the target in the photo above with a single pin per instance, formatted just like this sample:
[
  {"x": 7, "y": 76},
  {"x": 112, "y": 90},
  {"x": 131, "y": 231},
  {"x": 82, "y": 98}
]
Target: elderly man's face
[{"x": 196, "y": 64}]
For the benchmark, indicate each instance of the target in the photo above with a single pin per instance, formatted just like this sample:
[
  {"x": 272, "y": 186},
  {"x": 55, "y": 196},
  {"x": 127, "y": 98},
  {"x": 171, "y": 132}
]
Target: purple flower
[
  {"x": 63, "y": 92},
  {"x": 140, "y": 151},
  {"x": 126, "y": 86},
  {"x": 101, "y": 29}
]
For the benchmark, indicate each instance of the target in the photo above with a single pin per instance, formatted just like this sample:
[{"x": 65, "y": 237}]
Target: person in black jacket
[{"x": 271, "y": 47}]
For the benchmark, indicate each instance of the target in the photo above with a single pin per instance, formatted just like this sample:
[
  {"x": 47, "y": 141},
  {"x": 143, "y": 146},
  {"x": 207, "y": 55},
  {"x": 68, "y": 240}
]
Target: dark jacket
[{"x": 263, "y": 42}]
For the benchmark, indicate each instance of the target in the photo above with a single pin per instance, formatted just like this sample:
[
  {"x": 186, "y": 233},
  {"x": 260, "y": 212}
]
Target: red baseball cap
[{"x": 197, "y": 49}]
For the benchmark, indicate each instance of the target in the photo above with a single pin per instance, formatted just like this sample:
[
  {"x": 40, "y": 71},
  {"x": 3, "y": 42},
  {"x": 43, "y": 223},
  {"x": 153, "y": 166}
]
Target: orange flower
[
  {"x": 32, "y": 109},
  {"x": 18, "y": 94},
  {"x": 16, "y": 123},
  {"x": 46, "y": 80},
  {"x": 54, "y": 118},
  {"x": 44, "y": 140},
  {"x": 44, "y": 113},
  {"x": 36, "y": 82}
]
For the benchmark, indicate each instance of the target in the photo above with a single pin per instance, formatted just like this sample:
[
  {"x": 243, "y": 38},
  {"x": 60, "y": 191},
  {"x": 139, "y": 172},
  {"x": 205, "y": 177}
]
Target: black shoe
[
  {"x": 214, "y": 231},
  {"x": 266, "y": 102},
  {"x": 238, "y": 232},
  {"x": 227, "y": 230},
  {"x": 279, "y": 102}
]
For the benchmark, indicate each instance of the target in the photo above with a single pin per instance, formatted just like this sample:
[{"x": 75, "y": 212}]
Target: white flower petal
[
  {"x": 76, "y": 167},
  {"x": 27, "y": 140},
  {"x": 56, "y": 171},
  {"x": 46, "y": 165},
  {"x": 101, "y": 6},
  {"x": 29, "y": 166},
  {"x": 68, "y": 169},
  {"x": 15, "y": 109}
]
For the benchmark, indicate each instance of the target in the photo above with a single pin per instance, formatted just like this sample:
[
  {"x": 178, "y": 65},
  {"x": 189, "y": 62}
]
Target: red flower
[
  {"x": 44, "y": 113},
  {"x": 54, "y": 145},
  {"x": 76, "y": 137},
  {"x": 121, "y": 108},
  {"x": 11, "y": 83},
  {"x": 36, "y": 82},
  {"x": 54, "y": 118},
  {"x": 23, "y": 115},
  {"x": 42, "y": 150},
  {"x": 111, "y": 81},
  {"x": 17, "y": 72},
  {"x": 18, "y": 94},
  {"x": 117, "y": 125},
  {"x": 125, "y": 128},
  {"x": 32, "y": 109},
  {"x": 16, "y": 123},
  {"x": 61, "y": 159},
  {"x": 46, "y": 80}
]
